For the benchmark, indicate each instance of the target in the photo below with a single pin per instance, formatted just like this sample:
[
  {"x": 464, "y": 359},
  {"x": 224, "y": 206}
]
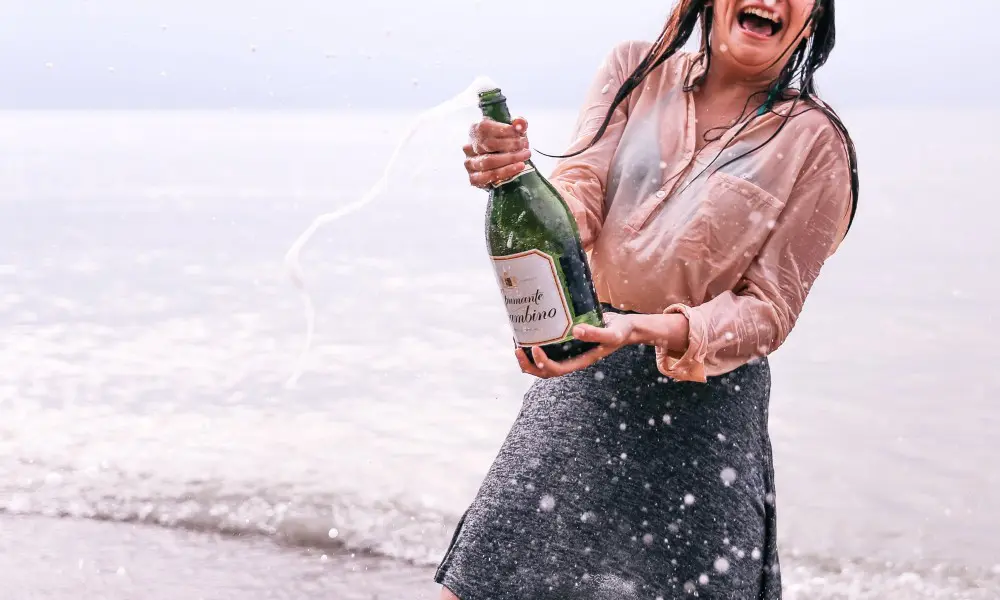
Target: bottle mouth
[{"x": 490, "y": 97}]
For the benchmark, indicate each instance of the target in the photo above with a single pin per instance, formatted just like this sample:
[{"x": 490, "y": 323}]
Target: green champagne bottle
[{"x": 540, "y": 264}]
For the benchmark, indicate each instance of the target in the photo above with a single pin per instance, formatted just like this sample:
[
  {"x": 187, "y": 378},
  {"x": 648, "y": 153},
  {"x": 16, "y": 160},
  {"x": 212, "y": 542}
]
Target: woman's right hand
[{"x": 496, "y": 151}]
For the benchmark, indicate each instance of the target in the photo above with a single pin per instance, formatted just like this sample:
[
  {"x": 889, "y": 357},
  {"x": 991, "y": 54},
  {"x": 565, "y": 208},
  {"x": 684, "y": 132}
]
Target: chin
[
  {"x": 757, "y": 38},
  {"x": 752, "y": 62}
]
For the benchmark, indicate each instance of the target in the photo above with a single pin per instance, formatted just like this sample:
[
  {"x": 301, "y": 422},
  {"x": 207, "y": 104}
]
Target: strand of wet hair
[{"x": 653, "y": 58}]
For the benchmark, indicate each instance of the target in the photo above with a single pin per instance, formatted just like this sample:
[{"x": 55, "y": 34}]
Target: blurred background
[{"x": 158, "y": 160}]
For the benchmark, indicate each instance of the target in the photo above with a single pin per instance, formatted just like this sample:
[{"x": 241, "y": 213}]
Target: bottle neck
[
  {"x": 497, "y": 110},
  {"x": 494, "y": 107}
]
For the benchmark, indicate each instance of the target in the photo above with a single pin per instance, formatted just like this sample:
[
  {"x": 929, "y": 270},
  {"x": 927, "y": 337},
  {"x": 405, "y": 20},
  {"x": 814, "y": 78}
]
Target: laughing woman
[{"x": 710, "y": 187}]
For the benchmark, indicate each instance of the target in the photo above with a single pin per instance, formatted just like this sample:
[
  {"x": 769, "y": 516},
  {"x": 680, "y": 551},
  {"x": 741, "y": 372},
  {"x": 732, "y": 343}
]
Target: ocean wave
[
  {"x": 813, "y": 577},
  {"x": 394, "y": 531},
  {"x": 401, "y": 529},
  {"x": 350, "y": 478},
  {"x": 390, "y": 529}
]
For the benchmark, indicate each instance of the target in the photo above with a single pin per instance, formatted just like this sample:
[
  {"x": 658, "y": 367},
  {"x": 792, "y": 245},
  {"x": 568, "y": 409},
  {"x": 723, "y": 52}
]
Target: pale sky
[{"x": 373, "y": 53}]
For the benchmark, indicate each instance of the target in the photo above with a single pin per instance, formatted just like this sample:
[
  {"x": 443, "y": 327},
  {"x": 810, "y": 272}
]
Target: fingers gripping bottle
[{"x": 541, "y": 267}]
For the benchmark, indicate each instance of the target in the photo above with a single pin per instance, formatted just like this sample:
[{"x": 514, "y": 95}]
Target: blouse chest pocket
[
  {"x": 725, "y": 219},
  {"x": 732, "y": 219}
]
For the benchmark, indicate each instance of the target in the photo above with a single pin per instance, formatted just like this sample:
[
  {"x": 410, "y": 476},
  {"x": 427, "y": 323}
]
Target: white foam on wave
[
  {"x": 395, "y": 530},
  {"x": 826, "y": 578},
  {"x": 413, "y": 532},
  {"x": 247, "y": 471}
]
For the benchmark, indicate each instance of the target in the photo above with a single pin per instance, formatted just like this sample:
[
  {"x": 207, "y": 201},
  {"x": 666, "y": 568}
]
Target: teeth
[{"x": 764, "y": 14}]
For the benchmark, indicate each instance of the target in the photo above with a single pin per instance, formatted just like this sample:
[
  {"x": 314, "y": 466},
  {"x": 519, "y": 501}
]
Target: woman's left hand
[{"x": 616, "y": 333}]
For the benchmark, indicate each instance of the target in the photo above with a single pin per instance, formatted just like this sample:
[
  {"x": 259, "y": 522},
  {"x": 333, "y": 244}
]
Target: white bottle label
[{"x": 536, "y": 304}]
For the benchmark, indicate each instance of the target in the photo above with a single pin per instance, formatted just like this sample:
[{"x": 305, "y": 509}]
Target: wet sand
[{"x": 59, "y": 559}]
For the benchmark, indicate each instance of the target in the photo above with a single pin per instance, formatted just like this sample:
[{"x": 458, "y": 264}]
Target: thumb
[
  {"x": 589, "y": 333},
  {"x": 520, "y": 125}
]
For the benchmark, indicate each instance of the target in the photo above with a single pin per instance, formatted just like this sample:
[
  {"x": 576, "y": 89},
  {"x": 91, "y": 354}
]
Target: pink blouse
[{"x": 734, "y": 249}]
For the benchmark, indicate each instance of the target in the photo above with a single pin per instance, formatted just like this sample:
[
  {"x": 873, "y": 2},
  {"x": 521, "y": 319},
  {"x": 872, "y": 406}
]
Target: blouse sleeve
[
  {"x": 756, "y": 317},
  {"x": 582, "y": 179}
]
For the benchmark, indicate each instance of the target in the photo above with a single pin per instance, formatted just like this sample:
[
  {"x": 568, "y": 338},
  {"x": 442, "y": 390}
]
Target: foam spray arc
[{"x": 469, "y": 97}]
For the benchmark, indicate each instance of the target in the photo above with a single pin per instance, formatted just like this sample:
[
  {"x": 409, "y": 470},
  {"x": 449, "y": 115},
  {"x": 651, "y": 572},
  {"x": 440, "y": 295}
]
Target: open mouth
[{"x": 759, "y": 21}]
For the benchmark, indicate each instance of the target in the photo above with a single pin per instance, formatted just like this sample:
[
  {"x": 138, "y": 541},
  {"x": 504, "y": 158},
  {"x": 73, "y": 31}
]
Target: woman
[{"x": 710, "y": 188}]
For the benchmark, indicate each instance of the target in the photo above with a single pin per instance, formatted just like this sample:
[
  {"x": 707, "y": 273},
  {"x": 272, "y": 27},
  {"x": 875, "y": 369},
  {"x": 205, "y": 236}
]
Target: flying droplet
[{"x": 728, "y": 476}]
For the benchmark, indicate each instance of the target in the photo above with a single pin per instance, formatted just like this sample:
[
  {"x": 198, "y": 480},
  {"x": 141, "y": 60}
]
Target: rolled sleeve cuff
[{"x": 691, "y": 365}]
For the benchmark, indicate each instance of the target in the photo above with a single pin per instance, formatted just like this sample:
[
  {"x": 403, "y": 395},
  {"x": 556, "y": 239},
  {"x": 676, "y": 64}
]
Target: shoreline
[
  {"x": 50, "y": 558},
  {"x": 43, "y": 558}
]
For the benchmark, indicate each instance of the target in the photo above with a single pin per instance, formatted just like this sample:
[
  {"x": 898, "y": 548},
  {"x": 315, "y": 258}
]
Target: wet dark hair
[{"x": 795, "y": 82}]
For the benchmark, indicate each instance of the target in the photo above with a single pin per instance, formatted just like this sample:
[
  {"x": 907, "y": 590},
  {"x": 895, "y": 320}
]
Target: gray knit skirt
[{"x": 616, "y": 483}]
